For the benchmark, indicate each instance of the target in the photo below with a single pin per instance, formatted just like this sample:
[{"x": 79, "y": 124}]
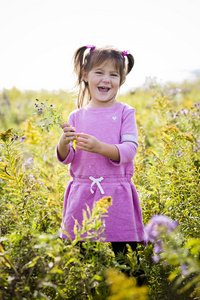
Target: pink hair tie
[
  {"x": 91, "y": 47},
  {"x": 124, "y": 53}
]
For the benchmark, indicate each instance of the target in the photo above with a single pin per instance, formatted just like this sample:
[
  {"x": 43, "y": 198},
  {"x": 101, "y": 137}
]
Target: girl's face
[{"x": 104, "y": 83}]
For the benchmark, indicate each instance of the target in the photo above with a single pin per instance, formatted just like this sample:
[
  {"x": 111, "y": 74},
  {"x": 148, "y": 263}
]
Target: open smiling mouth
[{"x": 103, "y": 89}]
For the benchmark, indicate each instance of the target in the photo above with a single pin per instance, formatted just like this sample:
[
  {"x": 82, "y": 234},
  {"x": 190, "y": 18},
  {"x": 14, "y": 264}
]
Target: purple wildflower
[
  {"x": 51, "y": 105},
  {"x": 153, "y": 230},
  {"x": 31, "y": 177},
  {"x": 175, "y": 115},
  {"x": 40, "y": 109},
  {"x": 184, "y": 269},
  {"x": 179, "y": 153},
  {"x": 157, "y": 248},
  {"x": 195, "y": 114},
  {"x": 156, "y": 225},
  {"x": 22, "y": 139},
  {"x": 156, "y": 258},
  {"x": 172, "y": 225},
  {"x": 184, "y": 111},
  {"x": 16, "y": 137},
  {"x": 177, "y": 90},
  {"x": 28, "y": 162},
  {"x": 174, "y": 91}
]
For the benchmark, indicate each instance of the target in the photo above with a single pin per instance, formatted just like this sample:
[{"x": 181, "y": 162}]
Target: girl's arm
[
  {"x": 89, "y": 143},
  {"x": 120, "y": 153},
  {"x": 63, "y": 150},
  {"x": 109, "y": 151}
]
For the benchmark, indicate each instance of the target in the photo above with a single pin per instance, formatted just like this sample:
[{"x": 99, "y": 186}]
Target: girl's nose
[{"x": 106, "y": 78}]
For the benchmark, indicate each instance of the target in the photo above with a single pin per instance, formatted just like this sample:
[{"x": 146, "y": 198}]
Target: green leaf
[
  {"x": 98, "y": 278},
  {"x": 32, "y": 263}
]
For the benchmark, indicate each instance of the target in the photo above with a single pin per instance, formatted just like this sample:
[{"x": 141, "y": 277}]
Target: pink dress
[{"x": 95, "y": 176}]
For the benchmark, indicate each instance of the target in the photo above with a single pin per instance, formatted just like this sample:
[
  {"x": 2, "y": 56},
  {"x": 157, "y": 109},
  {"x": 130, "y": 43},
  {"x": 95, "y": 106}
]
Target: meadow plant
[
  {"x": 169, "y": 248},
  {"x": 167, "y": 169},
  {"x": 157, "y": 226},
  {"x": 36, "y": 264},
  {"x": 49, "y": 113},
  {"x": 124, "y": 288},
  {"x": 93, "y": 224},
  {"x": 51, "y": 116},
  {"x": 14, "y": 173},
  {"x": 42, "y": 266}
]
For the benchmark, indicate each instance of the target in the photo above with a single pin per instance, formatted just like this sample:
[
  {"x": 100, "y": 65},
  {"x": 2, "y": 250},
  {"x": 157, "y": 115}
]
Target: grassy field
[{"x": 36, "y": 264}]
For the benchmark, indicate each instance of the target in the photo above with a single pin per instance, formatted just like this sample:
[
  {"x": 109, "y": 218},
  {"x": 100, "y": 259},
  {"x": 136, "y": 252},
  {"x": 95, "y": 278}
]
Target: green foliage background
[{"x": 34, "y": 262}]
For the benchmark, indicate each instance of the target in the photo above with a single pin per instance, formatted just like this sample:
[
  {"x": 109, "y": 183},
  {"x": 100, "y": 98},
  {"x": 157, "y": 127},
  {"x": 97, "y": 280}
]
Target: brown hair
[{"x": 95, "y": 57}]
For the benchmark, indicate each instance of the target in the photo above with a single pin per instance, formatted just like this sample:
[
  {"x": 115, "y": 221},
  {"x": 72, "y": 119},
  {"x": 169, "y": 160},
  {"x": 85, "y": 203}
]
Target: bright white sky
[{"x": 39, "y": 37}]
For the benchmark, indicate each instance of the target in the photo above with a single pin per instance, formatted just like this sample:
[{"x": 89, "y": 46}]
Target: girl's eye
[
  {"x": 98, "y": 72},
  {"x": 114, "y": 75}
]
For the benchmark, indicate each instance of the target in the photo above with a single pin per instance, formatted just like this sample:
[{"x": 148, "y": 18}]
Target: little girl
[{"x": 106, "y": 144}]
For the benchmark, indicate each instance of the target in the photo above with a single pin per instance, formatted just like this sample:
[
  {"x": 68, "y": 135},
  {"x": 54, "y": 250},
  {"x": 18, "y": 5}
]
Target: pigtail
[
  {"x": 79, "y": 58},
  {"x": 130, "y": 64},
  {"x": 78, "y": 62}
]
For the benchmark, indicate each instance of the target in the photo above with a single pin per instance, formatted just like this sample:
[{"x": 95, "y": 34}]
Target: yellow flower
[
  {"x": 104, "y": 203},
  {"x": 74, "y": 144}
]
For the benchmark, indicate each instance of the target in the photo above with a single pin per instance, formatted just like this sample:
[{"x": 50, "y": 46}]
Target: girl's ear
[
  {"x": 123, "y": 80},
  {"x": 84, "y": 76}
]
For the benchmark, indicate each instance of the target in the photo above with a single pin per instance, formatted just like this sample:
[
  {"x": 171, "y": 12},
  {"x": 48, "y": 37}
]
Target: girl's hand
[
  {"x": 68, "y": 135},
  {"x": 87, "y": 142}
]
